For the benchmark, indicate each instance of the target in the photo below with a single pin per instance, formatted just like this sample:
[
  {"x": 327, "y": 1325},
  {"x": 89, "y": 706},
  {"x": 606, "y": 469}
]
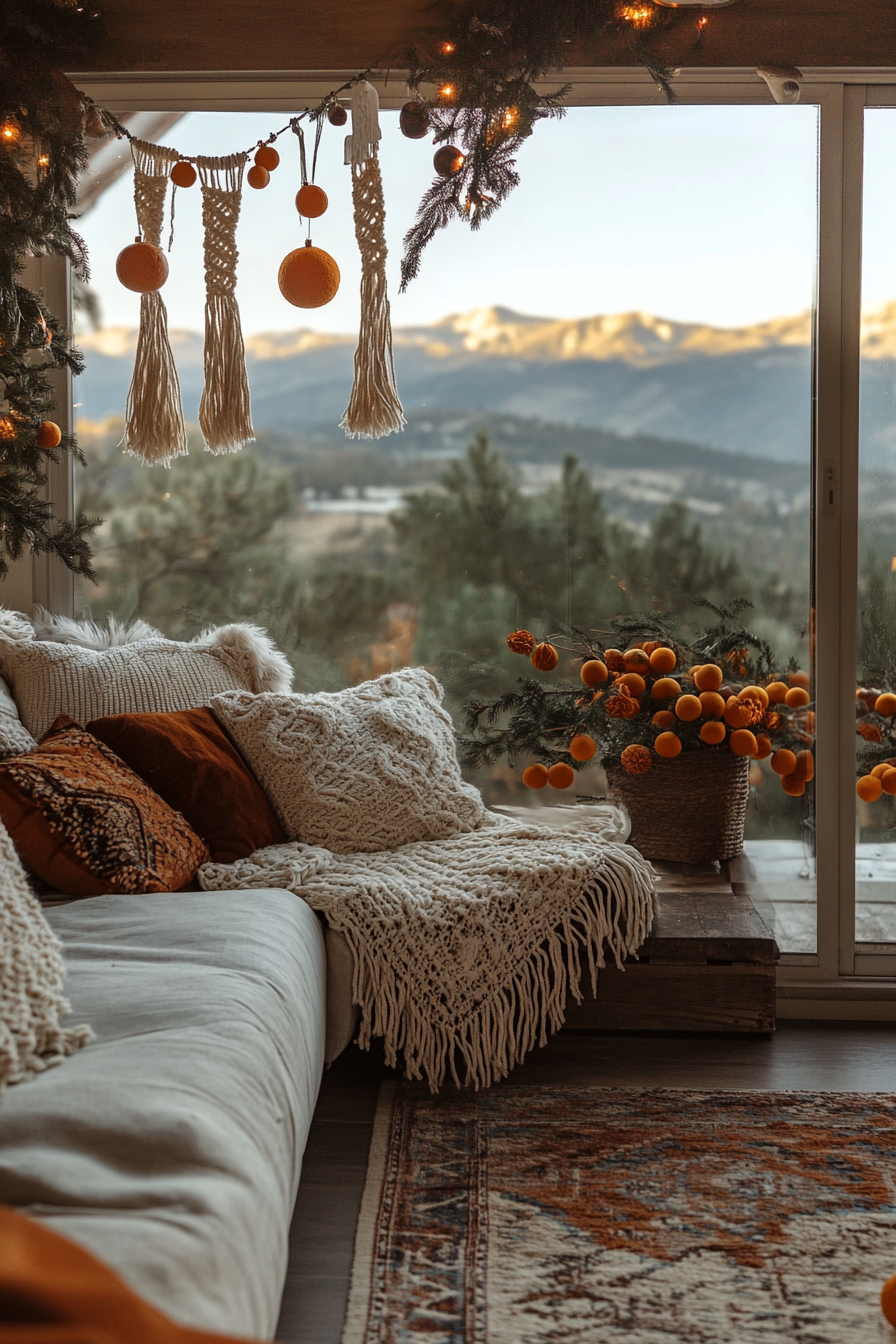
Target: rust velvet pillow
[
  {"x": 86, "y": 824},
  {"x": 189, "y": 760}
]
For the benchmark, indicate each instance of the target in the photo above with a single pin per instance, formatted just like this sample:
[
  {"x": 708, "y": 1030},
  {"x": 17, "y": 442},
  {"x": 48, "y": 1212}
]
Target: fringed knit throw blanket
[
  {"x": 31, "y": 976},
  {"x": 465, "y": 949}
]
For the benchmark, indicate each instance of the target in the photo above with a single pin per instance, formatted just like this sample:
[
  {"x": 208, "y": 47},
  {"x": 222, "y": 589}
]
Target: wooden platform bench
[{"x": 707, "y": 965}]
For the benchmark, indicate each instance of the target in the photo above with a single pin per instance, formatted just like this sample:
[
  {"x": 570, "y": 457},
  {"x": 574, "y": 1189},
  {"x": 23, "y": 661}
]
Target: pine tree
[{"x": 42, "y": 152}]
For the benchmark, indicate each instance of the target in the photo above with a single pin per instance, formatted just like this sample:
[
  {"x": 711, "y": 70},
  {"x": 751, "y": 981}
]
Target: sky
[{"x": 700, "y": 214}]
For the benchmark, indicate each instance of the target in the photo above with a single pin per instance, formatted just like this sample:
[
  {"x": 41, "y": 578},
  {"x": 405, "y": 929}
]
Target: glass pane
[
  {"x": 608, "y": 393},
  {"x": 876, "y": 671}
]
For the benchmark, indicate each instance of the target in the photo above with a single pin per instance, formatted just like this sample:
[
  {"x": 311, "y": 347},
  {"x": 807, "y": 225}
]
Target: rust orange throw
[{"x": 54, "y": 1292}]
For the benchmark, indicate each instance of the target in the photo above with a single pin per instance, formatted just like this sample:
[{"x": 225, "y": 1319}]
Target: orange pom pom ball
[
  {"x": 638, "y": 760},
  {"x": 663, "y": 718},
  {"x": 755, "y": 693},
  {"x": 667, "y": 745},
  {"x": 742, "y": 742},
  {"x": 764, "y": 747},
  {"x": 48, "y": 434},
  {"x": 888, "y": 1299},
  {"x": 796, "y": 697},
  {"x": 142, "y": 267},
  {"x": 880, "y": 770},
  {"x": 183, "y": 174},
  {"x": 799, "y": 679},
  {"x": 634, "y": 681},
  {"x": 535, "y": 776},
  {"x": 267, "y": 157},
  {"x": 888, "y": 780},
  {"x": 805, "y": 765},
  {"x": 622, "y": 707},
  {"x": 869, "y": 789},
  {"x": 521, "y": 641},
  {"x": 636, "y": 660},
  {"x": 582, "y": 747},
  {"x": 560, "y": 776},
  {"x": 258, "y": 177},
  {"x": 545, "y": 657},
  {"x": 688, "y": 708},
  {"x": 713, "y": 733},
  {"x": 663, "y": 660},
  {"x": 793, "y": 785},
  {"x": 594, "y": 672},
  {"x": 708, "y": 677},
  {"x": 712, "y": 705},
  {"x": 311, "y": 201},
  {"x": 736, "y": 715},
  {"x": 308, "y": 277},
  {"x": 614, "y": 660},
  {"x": 665, "y": 688},
  {"x": 776, "y": 691},
  {"x": 784, "y": 762},
  {"x": 885, "y": 704}
]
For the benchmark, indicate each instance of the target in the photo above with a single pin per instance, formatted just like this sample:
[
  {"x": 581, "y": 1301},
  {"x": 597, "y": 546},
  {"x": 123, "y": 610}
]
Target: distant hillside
[{"x": 744, "y": 390}]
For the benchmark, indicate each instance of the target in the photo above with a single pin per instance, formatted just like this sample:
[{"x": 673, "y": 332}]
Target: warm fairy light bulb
[
  {"x": 44, "y": 161},
  {"x": 511, "y": 116},
  {"x": 447, "y": 48},
  {"x": 638, "y": 15},
  {"x": 446, "y": 91},
  {"x": 9, "y": 132},
  {"x": 702, "y": 21}
]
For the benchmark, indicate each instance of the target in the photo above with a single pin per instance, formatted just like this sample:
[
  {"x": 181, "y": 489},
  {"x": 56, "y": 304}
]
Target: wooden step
[{"x": 708, "y": 964}]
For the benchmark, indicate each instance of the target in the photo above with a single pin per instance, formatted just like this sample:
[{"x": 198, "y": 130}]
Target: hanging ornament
[
  {"x": 374, "y": 408},
  {"x": 154, "y": 421},
  {"x": 224, "y": 415},
  {"x": 311, "y": 201},
  {"x": 308, "y": 277},
  {"x": 183, "y": 174},
  {"x": 48, "y": 435},
  {"x": 448, "y": 160},
  {"x": 336, "y": 114},
  {"x": 141, "y": 267},
  {"x": 267, "y": 157},
  {"x": 413, "y": 120},
  {"x": 258, "y": 177}
]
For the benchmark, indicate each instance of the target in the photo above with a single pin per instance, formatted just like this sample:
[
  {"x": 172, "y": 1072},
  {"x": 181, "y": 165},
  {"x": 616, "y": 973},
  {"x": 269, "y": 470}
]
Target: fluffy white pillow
[
  {"x": 360, "y": 770},
  {"x": 150, "y": 675}
]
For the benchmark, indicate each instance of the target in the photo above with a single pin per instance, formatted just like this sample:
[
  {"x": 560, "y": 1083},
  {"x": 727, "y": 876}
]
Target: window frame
[{"x": 838, "y": 981}]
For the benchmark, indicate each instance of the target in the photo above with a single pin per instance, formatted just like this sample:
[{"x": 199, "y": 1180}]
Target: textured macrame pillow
[
  {"x": 87, "y": 671},
  {"x": 31, "y": 976},
  {"x": 365, "y": 769}
]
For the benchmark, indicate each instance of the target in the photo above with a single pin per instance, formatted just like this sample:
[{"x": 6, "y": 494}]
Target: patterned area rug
[{"x": 576, "y": 1215}]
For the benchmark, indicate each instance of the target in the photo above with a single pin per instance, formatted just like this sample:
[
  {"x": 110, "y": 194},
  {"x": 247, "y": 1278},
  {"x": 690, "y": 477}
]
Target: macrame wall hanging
[
  {"x": 224, "y": 410},
  {"x": 154, "y": 420},
  {"x": 374, "y": 408}
]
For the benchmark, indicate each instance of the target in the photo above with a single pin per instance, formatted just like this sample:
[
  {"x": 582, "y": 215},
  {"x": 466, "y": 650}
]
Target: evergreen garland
[
  {"x": 42, "y": 152},
  {"x": 486, "y": 102}
]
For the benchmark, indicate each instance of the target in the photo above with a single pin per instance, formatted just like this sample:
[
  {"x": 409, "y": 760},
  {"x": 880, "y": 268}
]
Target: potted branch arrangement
[{"x": 674, "y": 726}]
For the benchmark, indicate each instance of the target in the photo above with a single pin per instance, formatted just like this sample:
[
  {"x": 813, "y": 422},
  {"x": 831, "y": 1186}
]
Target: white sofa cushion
[
  {"x": 171, "y": 1146},
  {"x": 369, "y": 768}
]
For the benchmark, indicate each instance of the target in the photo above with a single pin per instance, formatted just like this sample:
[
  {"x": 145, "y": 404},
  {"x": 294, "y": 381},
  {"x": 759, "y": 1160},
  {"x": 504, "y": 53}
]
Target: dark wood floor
[{"x": 837, "y": 1057}]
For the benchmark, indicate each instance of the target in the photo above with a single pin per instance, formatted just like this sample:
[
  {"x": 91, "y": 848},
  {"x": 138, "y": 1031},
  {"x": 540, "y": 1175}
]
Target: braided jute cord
[
  {"x": 154, "y": 425},
  {"x": 687, "y": 810},
  {"x": 224, "y": 415},
  {"x": 374, "y": 408}
]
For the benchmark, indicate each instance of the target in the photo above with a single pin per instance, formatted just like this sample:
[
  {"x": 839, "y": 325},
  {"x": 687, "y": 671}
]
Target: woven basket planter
[{"x": 687, "y": 810}]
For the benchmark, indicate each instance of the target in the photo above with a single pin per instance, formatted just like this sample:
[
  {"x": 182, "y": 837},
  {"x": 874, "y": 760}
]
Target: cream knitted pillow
[
  {"x": 31, "y": 976},
  {"x": 365, "y": 769}
]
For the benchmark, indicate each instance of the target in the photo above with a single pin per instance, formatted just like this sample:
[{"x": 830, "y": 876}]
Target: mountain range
[{"x": 743, "y": 390}]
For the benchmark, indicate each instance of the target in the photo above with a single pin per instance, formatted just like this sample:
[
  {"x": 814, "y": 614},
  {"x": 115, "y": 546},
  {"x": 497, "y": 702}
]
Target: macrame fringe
[
  {"x": 614, "y": 910},
  {"x": 224, "y": 413},
  {"x": 374, "y": 408},
  {"x": 154, "y": 423}
]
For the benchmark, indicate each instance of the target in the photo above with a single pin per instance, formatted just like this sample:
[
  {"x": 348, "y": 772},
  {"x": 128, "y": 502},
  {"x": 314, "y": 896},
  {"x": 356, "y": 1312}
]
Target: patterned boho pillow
[
  {"x": 87, "y": 825},
  {"x": 369, "y": 768}
]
